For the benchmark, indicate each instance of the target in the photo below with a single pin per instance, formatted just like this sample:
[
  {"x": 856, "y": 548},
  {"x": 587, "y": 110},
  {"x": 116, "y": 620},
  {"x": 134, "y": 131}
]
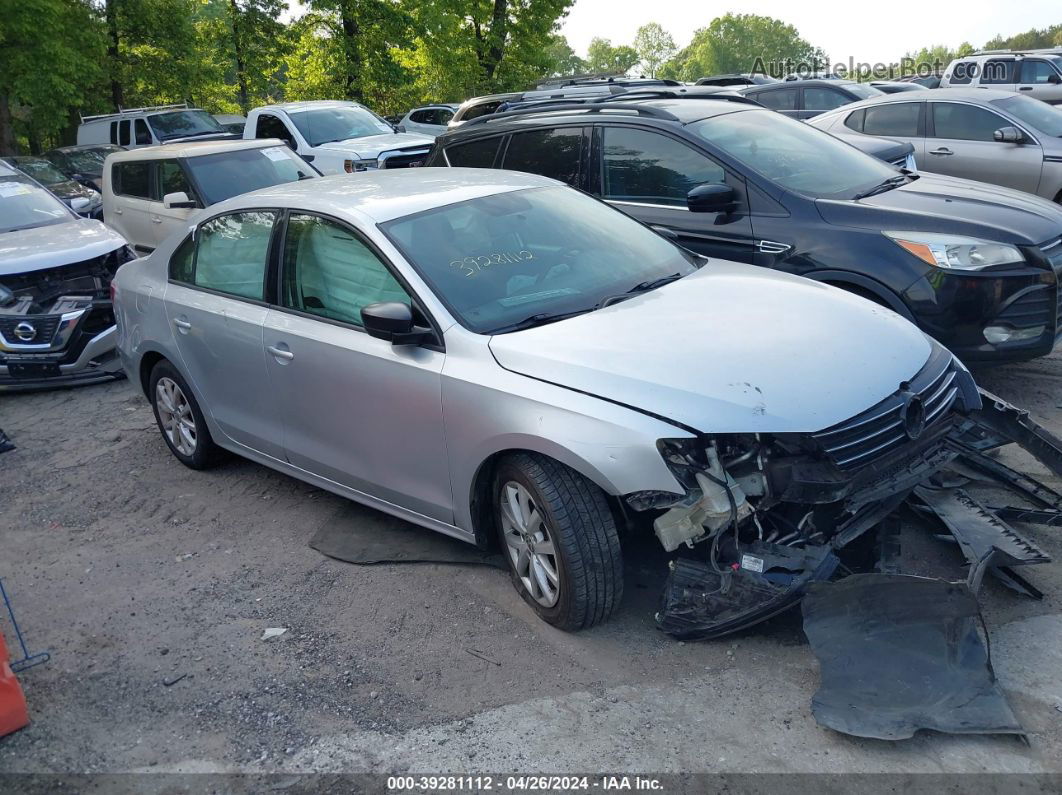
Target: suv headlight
[
  {"x": 363, "y": 164},
  {"x": 954, "y": 251}
]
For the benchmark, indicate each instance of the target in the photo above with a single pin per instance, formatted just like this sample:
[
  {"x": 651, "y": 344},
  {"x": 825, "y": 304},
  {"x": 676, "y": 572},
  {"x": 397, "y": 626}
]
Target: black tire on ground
[
  {"x": 206, "y": 452},
  {"x": 583, "y": 530}
]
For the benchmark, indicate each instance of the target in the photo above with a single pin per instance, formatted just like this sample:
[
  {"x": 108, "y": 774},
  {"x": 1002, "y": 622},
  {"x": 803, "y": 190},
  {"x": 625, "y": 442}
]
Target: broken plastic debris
[{"x": 273, "y": 632}]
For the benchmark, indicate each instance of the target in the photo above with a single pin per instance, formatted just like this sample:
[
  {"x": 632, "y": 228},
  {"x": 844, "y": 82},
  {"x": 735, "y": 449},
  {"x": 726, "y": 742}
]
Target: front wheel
[{"x": 560, "y": 540}]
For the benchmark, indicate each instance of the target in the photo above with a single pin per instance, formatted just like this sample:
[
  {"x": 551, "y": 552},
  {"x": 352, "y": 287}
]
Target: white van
[
  {"x": 149, "y": 193},
  {"x": 136, "y": 127},
  {"x": 338, "y": 136}
]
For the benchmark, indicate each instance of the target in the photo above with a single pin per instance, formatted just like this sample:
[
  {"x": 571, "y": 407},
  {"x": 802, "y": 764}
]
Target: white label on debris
[
  {"x": 276, "y": 153},
  {"x": 752, "y": 563}
]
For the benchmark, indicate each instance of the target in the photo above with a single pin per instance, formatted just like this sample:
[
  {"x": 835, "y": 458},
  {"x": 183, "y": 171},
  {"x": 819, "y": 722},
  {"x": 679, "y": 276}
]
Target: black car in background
[
  {"x": 976, "y": 266},
  {"x": 803, "y": 99},
  {"x": 750, "y": 79},
  {"x": 83, "y": 164},
  {"x": 83, "y": 200}
]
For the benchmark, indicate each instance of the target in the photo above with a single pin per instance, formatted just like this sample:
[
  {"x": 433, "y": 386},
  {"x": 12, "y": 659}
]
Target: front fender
[{"x": 865, "y": 283}]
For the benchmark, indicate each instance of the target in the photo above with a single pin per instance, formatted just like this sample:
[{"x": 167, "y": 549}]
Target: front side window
[
  {"x": 965, "y": 122},
  {"x": 475, "y": 154},
  {"x": 172, "y": 179},
  {"x": 779, "y": 99},
  {"x": 269, "y": 126},
  {"x": 226, "y": 174},
  {"x": 552, "y": 153},
  {"x": 143, "y": 134},
  {"x": 823, "y": 99},
  {"x": 500, "y": 259},
  {"x": 184, "y": 124},
  {"x": 231, "y": 253},
  {"x": 650, "y": 168},
  {"x": 792, "y": 154},
  {"x": 894, "y": 118},
  {"x": 341, "y": 123},
  {"x": 1036, "y": 72},
  {"x": 329, "y": 272},
  {"x": 133, "y": 179}
]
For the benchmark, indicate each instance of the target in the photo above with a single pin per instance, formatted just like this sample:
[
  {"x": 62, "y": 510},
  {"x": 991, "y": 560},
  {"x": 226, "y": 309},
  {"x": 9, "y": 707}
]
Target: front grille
[
  {"x": 403, "y": 158},
  {"x": 880, "y": 430},
  {"x": 45, "y": 326}
]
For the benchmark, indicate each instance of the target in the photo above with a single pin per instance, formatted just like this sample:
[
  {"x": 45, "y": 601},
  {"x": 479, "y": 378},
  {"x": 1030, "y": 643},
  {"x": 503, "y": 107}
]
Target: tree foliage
[
  {"x": 654, "y": 46},
  {"x": 603, "y": 58}
]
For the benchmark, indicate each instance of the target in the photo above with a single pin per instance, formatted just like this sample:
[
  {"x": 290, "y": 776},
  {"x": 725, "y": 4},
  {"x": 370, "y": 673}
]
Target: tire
[
  {"x": 581, "y": 583},
  {"x": 167, "y": 389}
]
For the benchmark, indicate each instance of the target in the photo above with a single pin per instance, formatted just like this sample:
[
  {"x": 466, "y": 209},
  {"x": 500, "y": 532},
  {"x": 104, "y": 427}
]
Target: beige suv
[{"x": 1036, "y": 73}]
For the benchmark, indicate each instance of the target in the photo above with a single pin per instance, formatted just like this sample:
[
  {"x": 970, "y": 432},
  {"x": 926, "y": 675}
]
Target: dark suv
[
  {"x": 803, "y": 99},
  {"x": 975, "y": 266}
]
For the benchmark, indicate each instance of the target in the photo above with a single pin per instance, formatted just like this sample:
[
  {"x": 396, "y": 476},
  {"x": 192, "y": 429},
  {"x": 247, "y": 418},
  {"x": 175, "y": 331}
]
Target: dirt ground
[{"x": 151, "y": 586}]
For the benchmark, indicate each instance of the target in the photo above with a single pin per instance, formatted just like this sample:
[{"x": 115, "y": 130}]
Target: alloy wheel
[
  {"x": 529, "y": 544},
  {"x": 175, "y": 415}
]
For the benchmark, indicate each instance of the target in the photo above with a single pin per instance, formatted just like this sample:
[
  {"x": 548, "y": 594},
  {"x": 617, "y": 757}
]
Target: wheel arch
[{"x": 866, "y": 287}]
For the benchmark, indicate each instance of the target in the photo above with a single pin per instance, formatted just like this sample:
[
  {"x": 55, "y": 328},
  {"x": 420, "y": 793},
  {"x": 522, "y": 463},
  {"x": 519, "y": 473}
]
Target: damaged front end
[
  {"x": 763, "y": 515},
  {"x": 57, "y": 324}
]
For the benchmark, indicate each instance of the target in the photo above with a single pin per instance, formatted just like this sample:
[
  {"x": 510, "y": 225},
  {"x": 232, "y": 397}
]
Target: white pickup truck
[{"x": 337, "y": 137}]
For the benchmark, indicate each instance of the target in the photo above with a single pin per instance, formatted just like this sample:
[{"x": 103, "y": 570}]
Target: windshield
[
  {"x": 324, "y": 125},
  {"x": 1038, "y": 115},
  {"x": 864, "y": 91},
  {"x": 41, "y": 170},
  {"x": 227, "y": 174},
  {"x": 183, "y": 124},
  {"x": 88, "y": 161},
  {"x": 794, "y": 155},
  {"x": 501, "y": 259},
  {"x": 23, "y": 205}
]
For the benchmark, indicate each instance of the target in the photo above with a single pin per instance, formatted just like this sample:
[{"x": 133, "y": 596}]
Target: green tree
[
  {"x": 742, "y": 43},
  {"x": 257, "y": 38},
  {"x": 654, "y": 46},
  {"x": 562, "y": 58},
  {"x": 603, "y": 58}
]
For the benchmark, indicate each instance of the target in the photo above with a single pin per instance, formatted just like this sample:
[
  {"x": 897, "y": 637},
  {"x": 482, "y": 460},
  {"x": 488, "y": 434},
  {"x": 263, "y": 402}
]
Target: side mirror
[
  {"x": 711, "y": 197},
  {"x": 393, "y": 321},
  {"x": 400, "y": 128},
  {"x": 178, "y": 200},
  {"x": 1008, "y": 135},
  {"x": 1054, "y": 79}
]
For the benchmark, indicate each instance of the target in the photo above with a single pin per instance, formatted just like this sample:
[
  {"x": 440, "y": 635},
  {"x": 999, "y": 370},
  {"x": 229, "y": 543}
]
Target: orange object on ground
[{"x": 13, "y": 712}]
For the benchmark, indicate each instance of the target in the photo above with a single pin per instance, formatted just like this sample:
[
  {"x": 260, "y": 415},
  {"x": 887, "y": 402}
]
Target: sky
[{"x": 873, "y": 33}]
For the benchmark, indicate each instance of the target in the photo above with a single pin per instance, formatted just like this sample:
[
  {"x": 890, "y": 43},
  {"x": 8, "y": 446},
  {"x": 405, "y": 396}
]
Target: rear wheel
[
  {"x": 560, "y": 540},
  {"x": 180, "y": 419}
]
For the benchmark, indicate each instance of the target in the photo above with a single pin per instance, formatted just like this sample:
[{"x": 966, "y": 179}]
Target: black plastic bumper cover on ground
[{"x": 900, "y": 653}]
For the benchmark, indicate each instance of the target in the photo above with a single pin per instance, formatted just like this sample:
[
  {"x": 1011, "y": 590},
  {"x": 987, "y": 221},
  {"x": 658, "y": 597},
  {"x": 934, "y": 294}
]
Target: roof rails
[
  {"x": 693, "y": 92},
  {"x": 1041, "y": 51},
  {"x": 125, "y": 111},
  {"x": 593, "y": 106}
]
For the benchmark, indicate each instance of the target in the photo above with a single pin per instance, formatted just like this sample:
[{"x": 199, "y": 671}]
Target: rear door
[
  {"x": 1041, "y": 79},
  {"x": 819, "y": 99},
  {"x": 960, "y": 142},
  {"x": 647, "y": 174},
  {"x": 999, "y": 74},
  {"x": 216, "y": 305},
  {"x": 902, "y": 121},
  {"x": 131, "y": 182},
  {"x": 559, "y": 153}
]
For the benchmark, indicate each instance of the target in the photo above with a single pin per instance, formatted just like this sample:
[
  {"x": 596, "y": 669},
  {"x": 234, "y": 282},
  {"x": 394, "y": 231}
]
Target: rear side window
[
  {"x": 899, "y": 118},
  {"x": 552, "y": 153},
  {"x": 854, "y": 120},
  {"x": 998, "y": 71},
  {"x": 475, "y": 154},
  {"x": 823, "y": 99},
  {"x": 779, "y": 99},
  {"x": 646, "y": 167},
  {"x": 123, "y": 132},
  {"x": 182, "y": 260},
  {"x": 965, "y": 122},
  {"x": 133, "y": 179},
  {"x": 962, "y": 73},
  {"x": 480, "y": 110},
  {"x": 231, "y": 253}
]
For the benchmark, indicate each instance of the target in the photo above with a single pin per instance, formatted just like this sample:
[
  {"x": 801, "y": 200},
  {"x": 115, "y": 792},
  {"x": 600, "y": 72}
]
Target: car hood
[
  {"x": 886, "y": 149},
  {"x": 730, "y": 349},
  {"x": 55, "y": 245},
  {"x": 935, "y": 203},
  {"x": 372, "y": 146}
]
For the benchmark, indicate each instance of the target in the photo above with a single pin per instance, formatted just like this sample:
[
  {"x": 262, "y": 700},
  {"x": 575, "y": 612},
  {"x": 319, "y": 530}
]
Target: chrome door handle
[
  {"x": 156, "y": 220},
  {"x": 280, "y": 353},
  {"x": 117, "y": 210},
  {"x": 183, "y": 325},
  {"x": 942, "y": 151}
]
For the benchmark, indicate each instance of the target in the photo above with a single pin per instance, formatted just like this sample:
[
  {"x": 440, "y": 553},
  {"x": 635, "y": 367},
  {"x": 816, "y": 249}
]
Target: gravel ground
[{"x": 151, "y": 586}]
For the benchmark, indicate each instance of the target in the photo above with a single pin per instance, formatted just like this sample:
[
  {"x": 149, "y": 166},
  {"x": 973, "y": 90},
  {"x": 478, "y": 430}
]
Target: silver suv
[{"x": 1037, "y": 73}]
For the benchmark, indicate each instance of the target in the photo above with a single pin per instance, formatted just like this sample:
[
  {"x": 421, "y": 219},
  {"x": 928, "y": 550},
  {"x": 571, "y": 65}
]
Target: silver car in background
[
  {"x": 991, "y": 136},
  {"x": 510, "y": 362}
]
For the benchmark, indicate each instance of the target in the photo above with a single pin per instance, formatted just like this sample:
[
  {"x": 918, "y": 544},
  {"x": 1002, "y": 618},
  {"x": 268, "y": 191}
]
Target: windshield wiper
[
  {"x": 889, "y": 184},
  {"x": 540, "y": 319},
  {"x": 641, "y": 287}
]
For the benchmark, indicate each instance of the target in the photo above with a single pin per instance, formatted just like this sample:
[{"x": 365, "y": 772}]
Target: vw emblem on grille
[
  {"x": 913, "y": 415},
  {"x": 26, "y": 331}
]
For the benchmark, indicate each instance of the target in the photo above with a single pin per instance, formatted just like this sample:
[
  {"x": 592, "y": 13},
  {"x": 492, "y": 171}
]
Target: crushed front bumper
[{"x": 91, "y": 360}]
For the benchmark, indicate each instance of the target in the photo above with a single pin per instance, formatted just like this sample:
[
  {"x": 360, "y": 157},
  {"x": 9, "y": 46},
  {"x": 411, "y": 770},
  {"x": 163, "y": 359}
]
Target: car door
[
  {"x": 358, "y": 411},
  {"x": 647, "y": 174},
  {"x": 131, "y": 215},
  {"x": 902, "y": 121},
  {"x": 999, "y": 74},
  {"x": 559, "y": 153},
  {"x": 169, "y": 178},
  {"x": 819, "y": 99},
  {"x": 960, "y": 142},
  {"x": 216, "y": 305},
  {"x": 1041, "y": 79}
]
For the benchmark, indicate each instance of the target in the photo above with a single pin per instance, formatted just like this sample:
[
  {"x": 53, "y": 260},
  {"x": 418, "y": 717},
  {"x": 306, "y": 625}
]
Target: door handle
[
  {"x": 156, "y": 220},
  {"x": 183, "y": 325},
  {"x": 117, "y": 210},
  {"x": 280, "y": 353},
  {"x": 942, "y": 151},
  {"x": 1025, "y": 88}
]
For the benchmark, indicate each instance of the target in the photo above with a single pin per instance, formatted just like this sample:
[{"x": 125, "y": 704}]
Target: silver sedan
[{"x": 512, "y": 363}]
